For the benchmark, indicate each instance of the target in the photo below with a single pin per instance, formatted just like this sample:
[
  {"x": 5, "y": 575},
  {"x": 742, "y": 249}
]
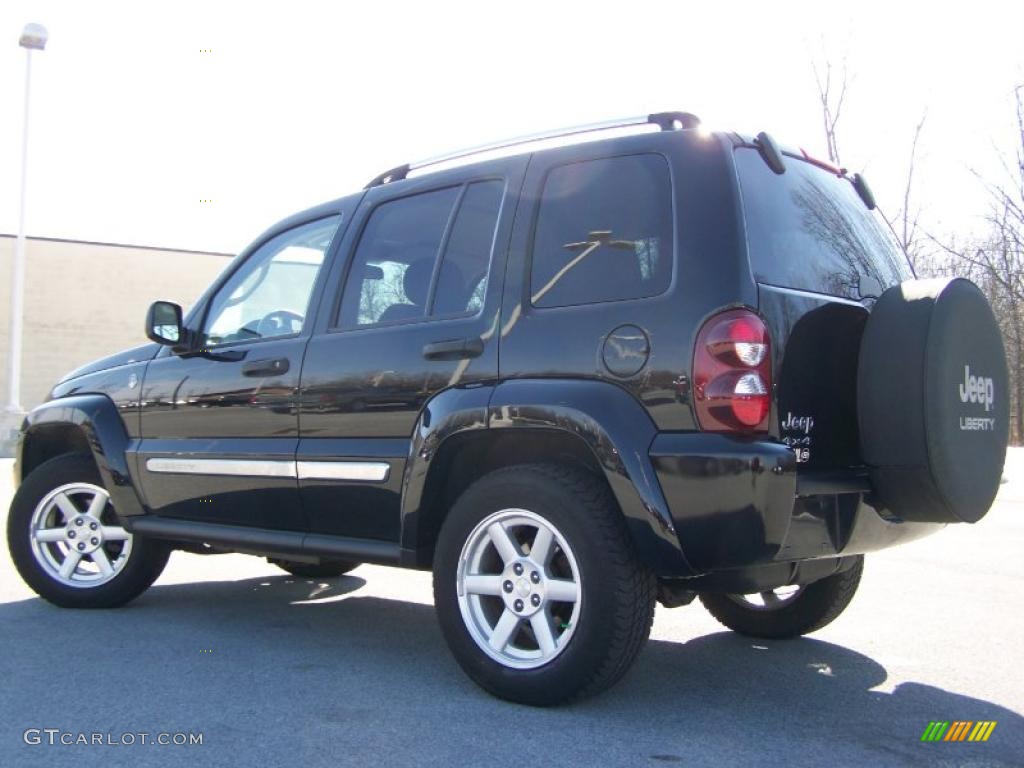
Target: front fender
[
  {"x": 619, "y": 433},
  {"x": 98, "y": 419}
]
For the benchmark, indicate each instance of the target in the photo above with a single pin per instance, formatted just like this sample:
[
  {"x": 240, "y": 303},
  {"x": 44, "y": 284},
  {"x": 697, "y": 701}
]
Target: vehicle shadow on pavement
[
  {"x": 816, "y": 693},
  {"x": 279, "y": 667}
]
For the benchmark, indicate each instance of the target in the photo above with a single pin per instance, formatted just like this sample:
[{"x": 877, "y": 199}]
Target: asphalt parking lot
[{"x": 275, "y": 670}]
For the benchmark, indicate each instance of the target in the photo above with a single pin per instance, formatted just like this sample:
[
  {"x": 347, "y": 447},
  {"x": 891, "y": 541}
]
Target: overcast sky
[{"x": 300, "y": 102}]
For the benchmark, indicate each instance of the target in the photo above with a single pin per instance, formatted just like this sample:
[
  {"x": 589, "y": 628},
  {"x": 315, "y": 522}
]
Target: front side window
[
  {"x": 604, "y": 232},
  {"x": 423, "y": 256},
  {"x": 268, "y": 296}
]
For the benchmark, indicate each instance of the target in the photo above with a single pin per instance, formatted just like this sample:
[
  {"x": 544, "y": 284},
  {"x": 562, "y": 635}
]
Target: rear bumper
[{"x": 738, "y": 503}]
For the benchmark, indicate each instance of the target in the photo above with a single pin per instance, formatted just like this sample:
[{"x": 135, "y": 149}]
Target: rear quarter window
[
  {"x": 808, "y": 229},
  {"x": 604, "y": 232}
]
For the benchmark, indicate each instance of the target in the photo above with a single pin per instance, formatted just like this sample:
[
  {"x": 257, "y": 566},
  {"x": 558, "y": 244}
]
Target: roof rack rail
[{"x": 667, "y": 121}]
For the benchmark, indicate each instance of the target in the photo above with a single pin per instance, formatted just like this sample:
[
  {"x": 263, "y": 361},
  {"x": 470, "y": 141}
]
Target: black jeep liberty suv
[{"x": 655, "y": 366}]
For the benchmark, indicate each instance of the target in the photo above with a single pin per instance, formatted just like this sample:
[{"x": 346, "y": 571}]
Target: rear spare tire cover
[{"x": 933, "y": 401}]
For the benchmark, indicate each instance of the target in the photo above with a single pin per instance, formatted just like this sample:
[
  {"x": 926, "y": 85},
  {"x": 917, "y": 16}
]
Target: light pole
[{"x": 33, "y": 38}]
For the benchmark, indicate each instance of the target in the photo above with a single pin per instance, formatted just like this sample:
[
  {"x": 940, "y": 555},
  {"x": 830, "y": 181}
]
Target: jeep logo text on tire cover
[{"x": 977, "y": 389}]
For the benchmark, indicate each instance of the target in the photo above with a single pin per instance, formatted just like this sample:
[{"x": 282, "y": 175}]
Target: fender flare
[
  {"x": 98, "y": 418},
  {"x": 448, "y": 413},
  {"x": 609, "y": 420},
  {"x": 619, "y": 432}
]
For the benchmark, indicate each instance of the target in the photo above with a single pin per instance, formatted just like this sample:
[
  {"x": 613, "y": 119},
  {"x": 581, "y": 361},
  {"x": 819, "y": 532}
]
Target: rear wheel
[
  {"x": 323, "y": 570},
  {"x": 69, "y": 545},
  {"x": 787, "y": 611},
  {"x": 538, "y": 591}
]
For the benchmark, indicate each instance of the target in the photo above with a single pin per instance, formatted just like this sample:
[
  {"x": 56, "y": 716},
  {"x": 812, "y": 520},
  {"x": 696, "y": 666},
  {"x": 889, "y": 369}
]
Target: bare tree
[
  {"x": 1007, "y": 213},
  {"x": 996, "y": 263},
  {"x": 1002, "y": 263},
  {"x": 832, "y": 86},
  {"x": 831, "y": 94},
  {"x": 908, "y": 218}
]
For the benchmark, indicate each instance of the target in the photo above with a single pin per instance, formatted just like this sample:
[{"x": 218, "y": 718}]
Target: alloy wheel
[
  {"x": 519, "y": 589},
  {"x": 76, "y": 537},
  {"x": 769, "y": 600}
]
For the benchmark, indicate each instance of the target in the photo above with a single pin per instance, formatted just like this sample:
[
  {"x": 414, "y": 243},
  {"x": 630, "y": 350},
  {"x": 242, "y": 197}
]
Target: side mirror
[{"x": 163, "y": 323}]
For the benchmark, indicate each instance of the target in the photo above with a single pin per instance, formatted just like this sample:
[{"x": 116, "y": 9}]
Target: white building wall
[{"x": 87, "y": 300}]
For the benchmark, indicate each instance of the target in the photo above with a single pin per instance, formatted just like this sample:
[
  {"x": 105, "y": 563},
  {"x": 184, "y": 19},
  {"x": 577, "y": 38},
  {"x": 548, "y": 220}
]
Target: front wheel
[
  {"x": 68, "y": 544},
  {"x": 538, "y": 591},
  {"x": 787, "y": 611}
]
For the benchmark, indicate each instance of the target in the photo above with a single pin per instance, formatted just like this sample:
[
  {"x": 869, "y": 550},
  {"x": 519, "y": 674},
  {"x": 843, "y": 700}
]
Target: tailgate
[{"x": 820, "y": 257}]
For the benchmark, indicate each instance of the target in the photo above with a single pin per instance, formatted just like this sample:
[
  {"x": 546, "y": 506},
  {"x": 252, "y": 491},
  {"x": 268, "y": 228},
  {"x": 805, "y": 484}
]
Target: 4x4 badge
[
  {"x": 801, "y": 444},
  {"x": 133, "y": 381}
]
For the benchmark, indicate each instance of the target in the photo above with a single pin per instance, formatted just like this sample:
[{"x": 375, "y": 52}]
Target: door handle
[
  {"x": 273, "y": 367},
  {"x": 454, "y": 349}
]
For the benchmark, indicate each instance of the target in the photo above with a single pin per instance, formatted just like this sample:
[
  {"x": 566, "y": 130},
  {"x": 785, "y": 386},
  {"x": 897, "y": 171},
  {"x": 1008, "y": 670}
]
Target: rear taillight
[{"x": 732, "y": 380}]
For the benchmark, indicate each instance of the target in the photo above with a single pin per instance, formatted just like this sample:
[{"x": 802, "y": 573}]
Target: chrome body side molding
[{"x": 360, "y": 471}]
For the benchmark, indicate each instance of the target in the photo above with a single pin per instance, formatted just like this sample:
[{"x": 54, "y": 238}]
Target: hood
[{"x": 133, "y": 355}]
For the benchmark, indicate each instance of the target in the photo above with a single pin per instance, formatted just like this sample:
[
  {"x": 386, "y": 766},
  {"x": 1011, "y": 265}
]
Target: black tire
[
  {"x": 323, "y": 570},
  {"x": 617, "y": 593},
  {"x": 143, "y": 565},
  {"x": 815, "y": 606}
]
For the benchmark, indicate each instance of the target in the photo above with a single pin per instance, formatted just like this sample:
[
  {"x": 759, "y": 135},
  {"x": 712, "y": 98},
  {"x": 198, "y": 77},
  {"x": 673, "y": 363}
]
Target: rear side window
[
  {"x": 807, "y": 229},
  {"x": 467, "y": 255},
  {"x": 423, "y": 256},
  {"x": 604, "y": 232}
]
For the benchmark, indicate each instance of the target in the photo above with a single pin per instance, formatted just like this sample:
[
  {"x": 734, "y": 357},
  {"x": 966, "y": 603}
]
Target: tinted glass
[
  {"x": 808, "y": 229},
  {"x": 269, "y": 294},
  {"x": 390, "y": 275},
  {"x": 463, "y": 278},
  {"x": 604, "y": 232}
]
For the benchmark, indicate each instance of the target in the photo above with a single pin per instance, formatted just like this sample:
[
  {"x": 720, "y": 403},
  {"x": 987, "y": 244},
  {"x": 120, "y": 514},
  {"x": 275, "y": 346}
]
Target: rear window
[{"x": 808, "y": 229}]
